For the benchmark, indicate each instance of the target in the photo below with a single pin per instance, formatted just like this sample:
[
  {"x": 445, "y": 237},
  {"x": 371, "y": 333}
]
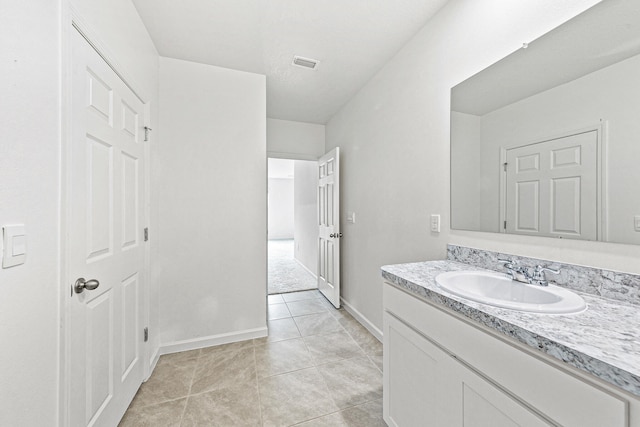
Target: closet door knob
[{"x": 82, "y": 284}]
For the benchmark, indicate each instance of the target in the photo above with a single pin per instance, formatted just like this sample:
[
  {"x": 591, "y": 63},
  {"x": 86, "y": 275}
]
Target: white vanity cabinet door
[
  {"x": 425, "y": 386},
  {"x": 484, "y": 405},
  {"x": 416, "y": 392}
]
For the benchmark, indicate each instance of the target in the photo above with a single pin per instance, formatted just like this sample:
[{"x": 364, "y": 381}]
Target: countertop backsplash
[{"x": 609, "y": 284}]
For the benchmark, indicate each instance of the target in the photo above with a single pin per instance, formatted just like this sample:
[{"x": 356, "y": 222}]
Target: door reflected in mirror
[{"x": 546, "y": 142}]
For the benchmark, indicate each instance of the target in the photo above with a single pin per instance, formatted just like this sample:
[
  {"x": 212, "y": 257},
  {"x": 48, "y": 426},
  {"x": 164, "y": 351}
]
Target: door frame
[
  {"x": 284, "y": 156},
  {"x": 601, "y": 130},
  {"x": 71, "y": 20}
]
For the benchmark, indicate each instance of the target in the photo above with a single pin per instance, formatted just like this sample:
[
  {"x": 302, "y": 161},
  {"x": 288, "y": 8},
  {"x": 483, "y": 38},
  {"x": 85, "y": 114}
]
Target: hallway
[{"x": 285, "y": 274}]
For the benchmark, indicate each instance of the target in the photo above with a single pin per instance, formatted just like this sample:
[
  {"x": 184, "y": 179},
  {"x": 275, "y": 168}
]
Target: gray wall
[
  {"x": 306, "y": 213},
  {"x": 212, "y": 203},
  {"x": 466, "y": 183},
  {"x": 29, "y": 194},
  {"x": 295, "y": 140},
  {"x": 280, "y": 216}
]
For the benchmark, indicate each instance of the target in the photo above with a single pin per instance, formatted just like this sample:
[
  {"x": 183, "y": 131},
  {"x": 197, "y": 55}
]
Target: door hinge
[
  {"x": 147, "y": 129},
  {"x": 504, "y": 165},
  {"x": 505, "y": 225},
  {"x": 146, "y": 234},
  {"x": 146, "y": 334}
]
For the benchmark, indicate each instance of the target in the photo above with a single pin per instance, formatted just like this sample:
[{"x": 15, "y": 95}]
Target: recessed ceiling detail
[{"x": 300, "y": 61}]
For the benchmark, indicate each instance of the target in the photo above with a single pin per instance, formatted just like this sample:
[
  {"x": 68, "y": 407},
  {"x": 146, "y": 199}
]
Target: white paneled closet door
[
  {"x": 551, "y": 188},
  {"x": 105, "y": 241}
]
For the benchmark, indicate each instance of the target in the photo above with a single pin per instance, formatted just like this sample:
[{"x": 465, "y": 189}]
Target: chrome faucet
[
  {"x": 515, "y": 271},
  {"x": 524, "y": 274},
  {"x": 538, "y": 277}
]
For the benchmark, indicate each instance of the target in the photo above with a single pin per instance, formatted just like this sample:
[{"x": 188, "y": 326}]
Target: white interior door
[
  {"x": 105, "y": 241},
  {"x": 551, "y": 188},
  {"x": 329, "y": 226}
]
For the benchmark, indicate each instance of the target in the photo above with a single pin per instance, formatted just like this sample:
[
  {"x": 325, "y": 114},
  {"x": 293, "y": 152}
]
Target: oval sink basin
[{"x": 500, "y": 291}]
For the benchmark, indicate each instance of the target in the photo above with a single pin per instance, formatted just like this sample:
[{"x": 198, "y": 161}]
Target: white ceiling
[
  {"x": 607, "y": 33},
  {"x": 352, "y": 39}
]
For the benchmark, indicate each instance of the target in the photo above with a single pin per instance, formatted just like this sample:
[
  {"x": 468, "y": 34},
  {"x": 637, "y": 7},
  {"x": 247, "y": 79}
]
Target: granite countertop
[{"x": 604, "y": 340}]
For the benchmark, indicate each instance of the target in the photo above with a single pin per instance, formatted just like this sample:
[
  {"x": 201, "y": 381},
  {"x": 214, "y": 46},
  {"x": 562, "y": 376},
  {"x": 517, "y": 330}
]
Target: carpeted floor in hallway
[{"x": 285, "y": 273}]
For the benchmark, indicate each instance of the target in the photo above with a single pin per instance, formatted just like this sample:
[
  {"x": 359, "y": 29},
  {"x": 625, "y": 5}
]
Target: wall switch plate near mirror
[
  {"x": 14, "y": 242},
  {"x": 434, "y": 223},
  {"x": 546, "y": 141}
]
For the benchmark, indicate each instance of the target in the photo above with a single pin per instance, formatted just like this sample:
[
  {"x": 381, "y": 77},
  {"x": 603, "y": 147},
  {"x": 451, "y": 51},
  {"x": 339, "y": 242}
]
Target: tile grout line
[
  {"x": 357, "y": 343},
  {"x": 364, "y": 355},
  {"x": 305, "y": 345},
  {"x": 331, "y": 394},
  {"x": 374, "y": 364},
  {"x": 141, "y": 406},
  {"x": 193, "y": 375},
  {"x": 297, "y": 327},
  {"x": 315, "y": 314},
  {"x": 336, "y": 412},
  {"x": 324, "y": 380},
  {"x": 255, "y": 366},
  {"x": 316, "y": 364},
  {"x": 206, "y": 391}
]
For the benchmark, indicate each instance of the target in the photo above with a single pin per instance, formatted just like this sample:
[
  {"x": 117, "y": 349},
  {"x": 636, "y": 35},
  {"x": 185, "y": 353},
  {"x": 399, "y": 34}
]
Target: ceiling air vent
[{"x": 305, "y": 62}]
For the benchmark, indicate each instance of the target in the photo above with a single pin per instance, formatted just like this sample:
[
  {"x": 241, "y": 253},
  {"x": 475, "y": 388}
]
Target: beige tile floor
[{"x": 317, "y": 367}]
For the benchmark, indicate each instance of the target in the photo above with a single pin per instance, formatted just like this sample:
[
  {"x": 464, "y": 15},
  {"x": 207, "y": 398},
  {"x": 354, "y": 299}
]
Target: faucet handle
[
  {"x": 538, "y": 276},
  {"x": 511, "y": 266},
  {"x": 540, "y": 269}
]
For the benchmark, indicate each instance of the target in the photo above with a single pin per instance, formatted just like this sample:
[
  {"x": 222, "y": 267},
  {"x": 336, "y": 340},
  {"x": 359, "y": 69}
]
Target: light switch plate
[
  {"x": 14, "y": 239},
  {"x": 435, "y": 223}
]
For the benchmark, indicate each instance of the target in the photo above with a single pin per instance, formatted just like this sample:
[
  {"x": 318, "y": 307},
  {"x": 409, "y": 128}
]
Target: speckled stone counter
[{"x": 604, "y": 340}]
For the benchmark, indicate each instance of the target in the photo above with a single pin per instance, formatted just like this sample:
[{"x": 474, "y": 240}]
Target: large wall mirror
[{"x": 546, "y": 142}]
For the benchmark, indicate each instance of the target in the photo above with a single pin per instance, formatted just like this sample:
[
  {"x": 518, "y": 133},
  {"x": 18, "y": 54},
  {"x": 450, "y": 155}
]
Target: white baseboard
[
  {"x": 315, "y": 276},
  {"x": 362, "y": 319},
  {"x": 197, "y": 343}
]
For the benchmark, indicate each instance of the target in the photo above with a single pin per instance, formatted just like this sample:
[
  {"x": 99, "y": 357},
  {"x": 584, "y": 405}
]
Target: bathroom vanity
[
  {"x": 530, "y": 156},
  {"x": 450, "y": 361}
]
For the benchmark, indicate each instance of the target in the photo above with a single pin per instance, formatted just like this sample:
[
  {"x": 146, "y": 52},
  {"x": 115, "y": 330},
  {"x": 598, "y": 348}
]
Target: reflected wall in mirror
[{"x": 546, "y": 142}]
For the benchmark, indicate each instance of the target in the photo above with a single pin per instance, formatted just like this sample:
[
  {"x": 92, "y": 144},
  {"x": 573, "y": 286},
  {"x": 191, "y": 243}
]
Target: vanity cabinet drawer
[{"x": 558, "y": 395}]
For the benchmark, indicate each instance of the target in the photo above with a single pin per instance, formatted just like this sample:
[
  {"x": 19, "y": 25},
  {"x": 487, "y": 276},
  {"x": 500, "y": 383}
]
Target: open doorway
[{"x": 292, "y": 225}]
